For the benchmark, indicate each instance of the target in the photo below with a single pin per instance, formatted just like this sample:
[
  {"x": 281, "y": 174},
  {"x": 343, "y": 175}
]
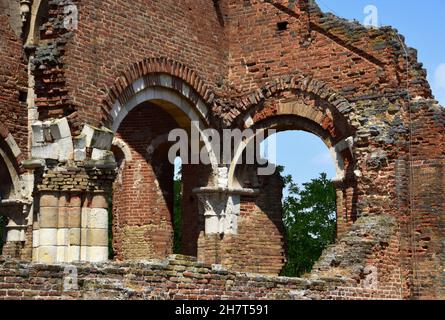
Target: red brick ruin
[{"x": 86, "y": 107}]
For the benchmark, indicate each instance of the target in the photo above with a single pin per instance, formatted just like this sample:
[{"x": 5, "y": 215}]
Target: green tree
[{"x": 310, "y": 222}]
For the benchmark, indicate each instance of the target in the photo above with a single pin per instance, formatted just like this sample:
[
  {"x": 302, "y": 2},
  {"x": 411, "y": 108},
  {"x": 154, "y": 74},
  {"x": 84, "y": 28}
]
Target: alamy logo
[
  {"x": 372, "y": 17},
  {"x": 231, "y": 146},
  {"x": 70, "y": 279},
  {"x": 71, "y": 20}
]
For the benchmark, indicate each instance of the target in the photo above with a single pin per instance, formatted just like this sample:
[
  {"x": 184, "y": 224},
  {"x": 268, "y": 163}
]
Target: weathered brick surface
[
  {"x": 351, "y": 59},
  {"x": 176, "y": 278},
  {"x": 146, "y": 230},
  {"x": 279, "y": 64},
  {"x": 13, "y": 85},
  {"x": 114, "y": 35},
  {"x": 341, "y": 273},
  {"x": 259, "y": 246}
]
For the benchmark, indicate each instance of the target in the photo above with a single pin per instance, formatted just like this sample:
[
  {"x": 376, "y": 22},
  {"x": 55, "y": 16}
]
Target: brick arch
[
  {"x": 38, "y": 11},
  {"x": 304, "y": 83},
  {"x": 308, "y": 105},
  {"x": 323, "y": 111},
  {"x": 149, "y": 70},
  {"x": 13, "y": 148},
  {"x": 11, "y": 155},
  {"x": 340, "y": 147}
]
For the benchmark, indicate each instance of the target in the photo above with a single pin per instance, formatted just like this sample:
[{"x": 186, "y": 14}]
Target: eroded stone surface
[{"x": 65, "y": 100}]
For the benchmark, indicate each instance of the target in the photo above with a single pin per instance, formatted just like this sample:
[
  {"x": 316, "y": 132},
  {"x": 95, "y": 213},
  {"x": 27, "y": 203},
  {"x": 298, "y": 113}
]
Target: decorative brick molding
[
  {"x": 295, "y": 82},
  {"x": 150, "y": 71}
]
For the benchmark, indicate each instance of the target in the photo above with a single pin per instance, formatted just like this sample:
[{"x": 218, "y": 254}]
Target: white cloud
[
  {"x": 439, "y": 76},
  {"x": 323, "y": 159}
]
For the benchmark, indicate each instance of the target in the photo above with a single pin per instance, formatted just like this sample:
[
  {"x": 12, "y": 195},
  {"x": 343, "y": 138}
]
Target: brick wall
[
  {"x": 13, "y": 85},
  {"x": 143, "y": 193},
  {"x": 252, "y": 56},
  {"x": 259, "y": 246},
  {"x": 176, "y": 278},
  {"x": 351, "y": 59},
  {"x": 112, "y": 36},
  {"x": 428, "y": 198}
]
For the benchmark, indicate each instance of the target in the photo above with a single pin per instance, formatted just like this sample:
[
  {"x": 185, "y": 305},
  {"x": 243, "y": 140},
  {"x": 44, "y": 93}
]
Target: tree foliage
[{"x": 310, "y": 222}]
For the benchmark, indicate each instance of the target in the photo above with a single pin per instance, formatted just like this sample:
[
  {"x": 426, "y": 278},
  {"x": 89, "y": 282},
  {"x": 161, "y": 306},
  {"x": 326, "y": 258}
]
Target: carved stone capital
[
  {"x": 221, "y": 208},
  {"x": 25, "y": 10}
]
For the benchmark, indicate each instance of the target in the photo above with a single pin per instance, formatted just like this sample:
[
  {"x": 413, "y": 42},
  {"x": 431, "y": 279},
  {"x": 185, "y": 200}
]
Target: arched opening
[
  {"x": 6, "y": 185},
  {"x": 177, "y": 207},
  {"x": 155, "y": 212},
  {"x": 39, "y": 16},
  {"x": 264, "y": 212},
  {"x": 7, "y": 193},
  {"x": 307, "y": 168}
]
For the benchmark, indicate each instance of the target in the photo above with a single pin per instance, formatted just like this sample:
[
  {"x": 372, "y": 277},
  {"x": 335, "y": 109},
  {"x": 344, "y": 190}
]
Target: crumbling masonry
[{"x": 89, "y": 91}]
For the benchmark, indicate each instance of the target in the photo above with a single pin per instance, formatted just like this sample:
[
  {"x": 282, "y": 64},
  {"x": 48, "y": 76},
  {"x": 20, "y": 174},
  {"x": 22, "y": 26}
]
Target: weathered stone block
[
  {"x": 60, "y": 129},
  {"x": 80, "y": 154},
  {"x": 63, "y": 237},
  {"x": 99, "y": 201},
  {"x": 47, "y": 254},
  {"x": 73, "y": 253},
  {"x": 49, "y": 199},
  {"x": 96, "y": 219},
  {"x": 37, "y": 133},
  {"x": 49, "y": 217},
  {"x": 94, "y": 254},
  {"x": 74, "y": 217},
  {"x": 75, "y": 237},
  {"x": 98, "y": 138},
  {"x": 104, "y": 155},
  {"x": 94, "y": 237},
  {"x": 47, "y": 237},
  {"x": 62, "y": 254}
]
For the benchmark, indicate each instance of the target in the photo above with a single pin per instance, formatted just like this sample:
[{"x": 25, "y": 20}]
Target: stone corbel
[
  {"x": 346, "y": 144},
  {"x": 25, "y": 10},
  {"x": 212, "y": 207},
  {"x": 221, "y": 207},
  {"x": 17, "y": 212}
]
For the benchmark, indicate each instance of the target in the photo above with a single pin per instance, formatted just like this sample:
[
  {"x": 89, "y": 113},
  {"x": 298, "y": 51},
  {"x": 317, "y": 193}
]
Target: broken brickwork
[{"x": 91, "y": 89}]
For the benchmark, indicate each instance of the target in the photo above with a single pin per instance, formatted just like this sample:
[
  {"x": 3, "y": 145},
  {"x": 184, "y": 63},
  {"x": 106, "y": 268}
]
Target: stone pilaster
[
  {"x": 94, "y": 228},
  {"x": 74, "y": 175}
]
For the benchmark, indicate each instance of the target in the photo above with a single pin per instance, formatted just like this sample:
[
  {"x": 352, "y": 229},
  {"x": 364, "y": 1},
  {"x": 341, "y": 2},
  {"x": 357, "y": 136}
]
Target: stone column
[
  {"x": 212, "y": 205},
  {"x": 74, "y": 212},
  {"x": 94, "y": 231},
  {"x": 56, "y": 235},
  {"x": 72, "y": 219},
  {"x": 48, "y": 218}
]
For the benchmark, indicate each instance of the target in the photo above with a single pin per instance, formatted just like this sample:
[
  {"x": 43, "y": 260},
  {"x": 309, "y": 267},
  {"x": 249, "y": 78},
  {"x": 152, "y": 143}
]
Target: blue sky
[{"x": 304, "y": 155}]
